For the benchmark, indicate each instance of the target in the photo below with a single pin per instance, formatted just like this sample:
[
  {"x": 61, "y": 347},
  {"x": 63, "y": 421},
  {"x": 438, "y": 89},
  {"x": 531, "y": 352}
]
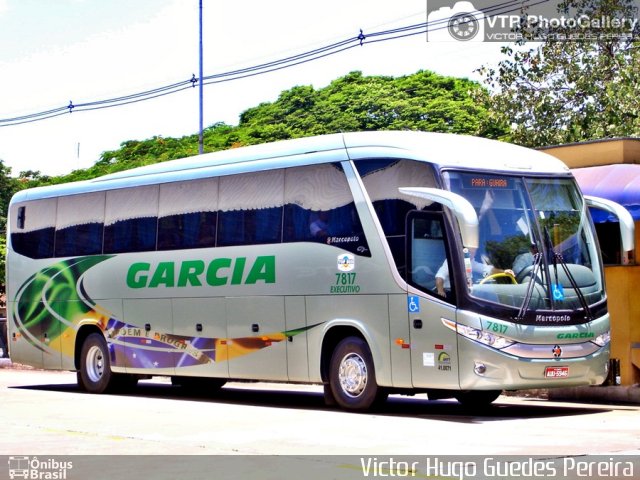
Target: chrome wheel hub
[{"x": 353, "y": 374}]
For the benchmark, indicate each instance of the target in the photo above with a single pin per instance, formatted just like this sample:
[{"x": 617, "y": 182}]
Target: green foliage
[
  {"x": 8, "y": 186},
  {"x": 570, "y": 91},
  {"x": 422, "y": 101},
  {"x": 3, "y": 254}
]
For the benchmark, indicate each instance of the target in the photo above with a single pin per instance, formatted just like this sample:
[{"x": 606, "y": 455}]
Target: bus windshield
[{"x": 536, "y": 246}]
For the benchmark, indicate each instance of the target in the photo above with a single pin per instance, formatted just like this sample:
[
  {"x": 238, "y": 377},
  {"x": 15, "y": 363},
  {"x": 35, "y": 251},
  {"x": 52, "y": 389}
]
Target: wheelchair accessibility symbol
[
  {"x": 413, "y": 303},
  {"x": 558, "y": 291}
]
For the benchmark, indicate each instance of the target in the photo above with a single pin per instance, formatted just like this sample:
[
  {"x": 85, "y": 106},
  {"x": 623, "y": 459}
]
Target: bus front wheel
[
  {"x": 94, "y": 375},
  {"x": 352, "y": 376}
]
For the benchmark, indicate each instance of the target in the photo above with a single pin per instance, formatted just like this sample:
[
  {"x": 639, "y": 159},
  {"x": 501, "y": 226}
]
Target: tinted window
[
  {"x": 190, "y": 230},
  {"x": 36, "y": 244},
  {"x": 79, "y": 240},
  {"x": 131, "y": 235},
  {"x": 251, "y": 208},
  {"x": 36, "y": 237},
  {"x": 188, "y": 214},
  {"x": 79, "y": 224},
  {"x": 382, "y": 178},
  {"x": 302, "y": 204},
  {"x": 320, "y": 208},
  {"x": 131, "y": 220}
]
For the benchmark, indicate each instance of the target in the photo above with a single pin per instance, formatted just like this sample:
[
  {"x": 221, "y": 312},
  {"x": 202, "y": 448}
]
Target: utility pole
[{"x": 200, "y": 92}]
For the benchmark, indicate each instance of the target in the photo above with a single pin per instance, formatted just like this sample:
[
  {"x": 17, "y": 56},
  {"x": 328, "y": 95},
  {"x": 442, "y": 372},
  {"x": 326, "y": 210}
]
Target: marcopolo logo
[{"x": 510, "y": 21}]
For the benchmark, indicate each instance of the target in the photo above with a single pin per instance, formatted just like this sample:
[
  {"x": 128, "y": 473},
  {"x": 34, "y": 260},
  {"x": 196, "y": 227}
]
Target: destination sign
[{"x": 488, "y": 182}]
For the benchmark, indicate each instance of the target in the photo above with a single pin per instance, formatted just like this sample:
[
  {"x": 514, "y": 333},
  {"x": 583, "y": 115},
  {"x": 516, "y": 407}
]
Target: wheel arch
[{"x": 334, "y": 335}]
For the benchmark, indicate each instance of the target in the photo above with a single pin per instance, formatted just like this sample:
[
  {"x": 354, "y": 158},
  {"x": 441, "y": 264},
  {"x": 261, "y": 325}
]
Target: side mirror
[
  {"x": 627, "y": 226},
  {"x": 460, "y": 206}
]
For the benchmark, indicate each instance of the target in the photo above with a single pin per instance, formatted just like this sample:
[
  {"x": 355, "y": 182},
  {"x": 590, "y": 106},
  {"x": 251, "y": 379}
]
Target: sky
[{"x": 59, "y": 51}]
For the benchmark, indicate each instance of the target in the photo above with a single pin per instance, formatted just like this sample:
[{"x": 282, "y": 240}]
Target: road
[{"x": 44, "y": 412}]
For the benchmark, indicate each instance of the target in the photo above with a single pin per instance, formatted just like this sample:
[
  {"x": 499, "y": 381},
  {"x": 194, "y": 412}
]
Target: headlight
[
  {"x": 602, "y": 339},
  {"x": 487, "y": 338}
]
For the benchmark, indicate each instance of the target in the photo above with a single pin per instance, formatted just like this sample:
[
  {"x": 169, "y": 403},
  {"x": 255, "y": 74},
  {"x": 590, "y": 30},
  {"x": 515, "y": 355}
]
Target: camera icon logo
[{"x": 462, "y": 22}]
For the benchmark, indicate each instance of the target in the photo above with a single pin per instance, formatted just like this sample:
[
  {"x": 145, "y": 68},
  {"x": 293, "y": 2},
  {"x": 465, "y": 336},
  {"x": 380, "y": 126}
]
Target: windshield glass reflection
[{"x": 521, "y": 220}]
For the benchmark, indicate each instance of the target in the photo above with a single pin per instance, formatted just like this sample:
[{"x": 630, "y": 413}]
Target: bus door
[{"x": 430, "y": 302}]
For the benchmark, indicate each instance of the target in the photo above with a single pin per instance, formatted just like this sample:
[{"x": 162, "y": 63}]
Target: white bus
[{"x": 371, "y": 263}]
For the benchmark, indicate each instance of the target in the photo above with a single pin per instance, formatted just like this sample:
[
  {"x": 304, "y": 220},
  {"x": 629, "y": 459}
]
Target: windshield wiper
[
  {"x": 537, "y": 262},
  {"x": 557, "y": 258}
]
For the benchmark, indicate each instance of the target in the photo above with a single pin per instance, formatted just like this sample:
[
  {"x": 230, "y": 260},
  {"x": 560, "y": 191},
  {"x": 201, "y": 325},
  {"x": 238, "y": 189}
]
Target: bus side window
[
  {"x": 131, "y": 219},
  {"x": 382, "y": 177},
  {"x": 35, "y": 232},
  {"x": 319, "y": 208},
  {"x": 428, "y": 253},
  {"x": 188, "y": 214},
  {"x": 250, "y": 208},
  {"x": 79, "y": 224}
]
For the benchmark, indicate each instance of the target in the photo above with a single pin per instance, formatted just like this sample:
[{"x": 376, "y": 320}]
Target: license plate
[{"x": 556, "y": 372}]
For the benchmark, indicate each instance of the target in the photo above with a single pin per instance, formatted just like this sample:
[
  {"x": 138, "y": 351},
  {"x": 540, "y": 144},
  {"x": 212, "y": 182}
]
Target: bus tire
[
  {"x": 94, "y": 375},
  {"x": 352, "y": 376},
  {"x": 329, "y": 399},
  {"x": 477, "y": 398}
]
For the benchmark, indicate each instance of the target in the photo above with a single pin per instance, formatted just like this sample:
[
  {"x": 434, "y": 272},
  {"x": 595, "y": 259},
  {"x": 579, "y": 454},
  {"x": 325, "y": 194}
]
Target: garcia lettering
[
  {"x": 571, "y": 336},
  {"x": 196, "y": 273}
]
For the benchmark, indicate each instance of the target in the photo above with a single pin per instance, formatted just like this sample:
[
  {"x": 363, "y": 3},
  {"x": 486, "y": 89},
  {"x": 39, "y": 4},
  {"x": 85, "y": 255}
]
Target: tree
[
  {"x": 570, "y": 91},
  {"x": 421, "y": 101},
  {"x": 8, "y": 186},
  {"x": 3, "y": 272}
]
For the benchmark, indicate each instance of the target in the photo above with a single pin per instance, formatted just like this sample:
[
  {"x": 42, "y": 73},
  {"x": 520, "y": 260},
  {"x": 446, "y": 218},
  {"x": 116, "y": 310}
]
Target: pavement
[
  {"x": 619, "y": 394},
  {"x": 597, "y": 394}
]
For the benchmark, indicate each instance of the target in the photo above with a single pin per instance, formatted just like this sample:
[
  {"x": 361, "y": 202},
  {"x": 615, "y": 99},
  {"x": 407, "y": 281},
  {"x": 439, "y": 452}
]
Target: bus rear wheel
[
  {"x": 94, "y": 375},
  {"x": 352, "y": 376}
]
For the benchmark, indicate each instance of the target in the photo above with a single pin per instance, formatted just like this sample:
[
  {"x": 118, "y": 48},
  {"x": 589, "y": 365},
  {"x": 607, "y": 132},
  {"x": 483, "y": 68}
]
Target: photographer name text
[{"x": 491, "y": 467}]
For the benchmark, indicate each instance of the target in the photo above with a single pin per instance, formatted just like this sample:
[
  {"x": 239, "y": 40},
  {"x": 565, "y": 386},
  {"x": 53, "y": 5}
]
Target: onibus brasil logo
[{"x": 38, "y": 469}]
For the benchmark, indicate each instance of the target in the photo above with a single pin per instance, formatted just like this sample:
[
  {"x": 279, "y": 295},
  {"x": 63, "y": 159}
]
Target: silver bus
[{"x": 371, "y": 263}]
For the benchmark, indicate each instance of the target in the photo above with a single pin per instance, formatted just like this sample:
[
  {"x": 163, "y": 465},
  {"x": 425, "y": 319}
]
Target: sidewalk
[{"x": 597, "y": 394}]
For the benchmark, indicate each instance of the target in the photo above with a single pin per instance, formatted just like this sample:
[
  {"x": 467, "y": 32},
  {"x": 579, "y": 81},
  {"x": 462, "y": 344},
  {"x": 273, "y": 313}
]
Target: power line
[{"x": 360, "y": 40}]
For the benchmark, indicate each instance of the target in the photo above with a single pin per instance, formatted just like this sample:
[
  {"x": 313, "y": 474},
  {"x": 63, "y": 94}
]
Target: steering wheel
[{"x": 499, "y": 275}]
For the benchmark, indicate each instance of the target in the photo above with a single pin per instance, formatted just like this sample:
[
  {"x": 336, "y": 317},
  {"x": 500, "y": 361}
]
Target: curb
[{"x": 597, "y": 394}]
